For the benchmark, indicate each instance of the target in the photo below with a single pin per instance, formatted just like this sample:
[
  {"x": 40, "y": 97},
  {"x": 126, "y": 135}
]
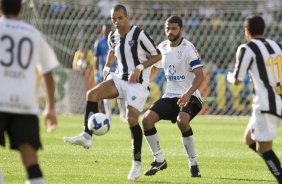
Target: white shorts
[
  {"x": 135, "y": 93},
  {"x": 263, "y": 126}
]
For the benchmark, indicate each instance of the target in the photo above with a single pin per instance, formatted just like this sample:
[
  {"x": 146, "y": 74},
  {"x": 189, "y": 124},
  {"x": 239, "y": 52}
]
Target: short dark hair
[
  {"x": 255, "y": 24},
  {"x": 120, "y": 7},
  {"x": 175, "y": 19},
  {"x": 11, "y": 7}
]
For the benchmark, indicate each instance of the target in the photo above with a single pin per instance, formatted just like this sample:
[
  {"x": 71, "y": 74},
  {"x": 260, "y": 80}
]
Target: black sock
[
  {"x": 188, "y": 133},
  {"x": 34, "y": 171},
  {"x": 152, "y": 131},
  {"x": 253, "y": 147},
  {"x": 136, "y": 136},
  {"x": 91, "y": 108},
  {"x": 273, "y": 164}
]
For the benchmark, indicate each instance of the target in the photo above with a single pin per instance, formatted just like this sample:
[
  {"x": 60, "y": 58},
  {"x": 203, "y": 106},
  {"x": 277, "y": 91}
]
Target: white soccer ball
[{"x": 99, "y": 123}]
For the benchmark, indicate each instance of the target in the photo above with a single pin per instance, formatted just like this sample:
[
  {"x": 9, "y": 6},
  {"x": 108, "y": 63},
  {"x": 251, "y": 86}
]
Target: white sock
[
  {"x": 154, "y": 143},
  {"x": 188, "y": 143},
  {"x": 108, "y": 107},
  {"x": 1, "y": 178},
  {"x": 122, "y": 109},
  {"x": 35, "y": 181}
]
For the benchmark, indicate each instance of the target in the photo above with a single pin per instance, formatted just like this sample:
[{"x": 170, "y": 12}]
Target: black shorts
[
  {"x": 21, "y": 129},
  {"x": 168, "y": 109}
]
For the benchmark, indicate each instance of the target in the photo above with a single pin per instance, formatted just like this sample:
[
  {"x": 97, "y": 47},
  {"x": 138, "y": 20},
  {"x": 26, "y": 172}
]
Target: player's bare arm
[
  {"x": 199, "y": 77},
  {"x": 154, "y": 73},
  {"x": 134, "y": 76},
  {"x": 49, "y": 112}
]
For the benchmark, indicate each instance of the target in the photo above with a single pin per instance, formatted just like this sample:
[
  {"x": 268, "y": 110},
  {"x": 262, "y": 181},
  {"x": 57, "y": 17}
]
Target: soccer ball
[{"x": 99, "y": 123}]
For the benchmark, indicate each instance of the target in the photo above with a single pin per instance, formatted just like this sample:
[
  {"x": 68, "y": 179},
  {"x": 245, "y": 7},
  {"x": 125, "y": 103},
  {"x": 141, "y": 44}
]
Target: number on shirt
[{"x": 22, "y": 46}]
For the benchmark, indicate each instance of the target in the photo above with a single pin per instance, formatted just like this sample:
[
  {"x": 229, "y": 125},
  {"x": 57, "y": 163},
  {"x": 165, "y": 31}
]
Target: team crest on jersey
[
  {"x": 171, "y": 69},
  {"x": 179, "y": 54},
  {"x": 131, "y": 43}
]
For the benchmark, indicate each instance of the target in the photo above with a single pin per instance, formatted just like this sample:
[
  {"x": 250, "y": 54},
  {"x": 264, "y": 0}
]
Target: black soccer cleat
[
  {"x": 155, "y": 167},
  {"x": 195, "y": 172}
]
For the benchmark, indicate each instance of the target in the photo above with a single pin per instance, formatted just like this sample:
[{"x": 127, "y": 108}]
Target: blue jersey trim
[{"x": 195, "y": 63}]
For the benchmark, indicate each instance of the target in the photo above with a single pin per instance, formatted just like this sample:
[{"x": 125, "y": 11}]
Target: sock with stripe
[
  {"x": 153, "y": 141},
  {"x": 188, "y": 143}
]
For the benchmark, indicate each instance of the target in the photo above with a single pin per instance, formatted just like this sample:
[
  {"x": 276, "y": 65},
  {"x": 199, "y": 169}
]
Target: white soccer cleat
[
  {"x": 135, "y": 171},
  {"x": 80, "y": 140}
]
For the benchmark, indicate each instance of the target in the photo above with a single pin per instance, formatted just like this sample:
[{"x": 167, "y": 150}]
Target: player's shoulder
[
  {"x": 186, "y": 43},
  {"x": 19, "y": 25},
  {"x": 163, "y": 44}
]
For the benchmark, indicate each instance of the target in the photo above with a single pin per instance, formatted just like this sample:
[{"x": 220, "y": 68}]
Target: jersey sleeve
[
  {"x": 194, "y": 58},
  {"x": 48, "y": 60},
  {"x": 243, "y": 62},
  {"x": 148, "y": 44}
]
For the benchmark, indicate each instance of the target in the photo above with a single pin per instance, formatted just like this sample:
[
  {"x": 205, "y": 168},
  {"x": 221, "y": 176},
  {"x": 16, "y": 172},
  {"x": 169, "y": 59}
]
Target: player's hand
[
  {"x": 183, "y": 100},
  {"x": 50, "y": 120},
  {"x": 134, "y": 76},
  {"x": 230, "y": 78},
  {"x": 105, "y": 73}
]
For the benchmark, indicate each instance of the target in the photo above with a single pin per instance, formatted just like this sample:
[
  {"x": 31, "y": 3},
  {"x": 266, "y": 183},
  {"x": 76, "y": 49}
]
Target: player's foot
[
  {"x": 83, "y": 139},
  {"x": 135, "y": 171},
  {"x": 195, "y": 172},
  {"x": 155, "y": 167}
]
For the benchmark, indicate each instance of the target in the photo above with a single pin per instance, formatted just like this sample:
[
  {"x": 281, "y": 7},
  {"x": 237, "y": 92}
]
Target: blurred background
[{"x": 215, "y": 27}]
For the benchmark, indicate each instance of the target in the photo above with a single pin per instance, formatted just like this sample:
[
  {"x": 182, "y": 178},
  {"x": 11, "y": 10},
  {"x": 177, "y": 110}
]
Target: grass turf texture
[{"x": 222, "y": 155}]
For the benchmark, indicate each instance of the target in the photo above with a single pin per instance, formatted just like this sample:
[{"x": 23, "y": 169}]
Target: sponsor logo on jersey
[
  {"x": 177, "y": 78},
  {"x": 172, "y": 77},
  {"x": 171, "y": 69}
]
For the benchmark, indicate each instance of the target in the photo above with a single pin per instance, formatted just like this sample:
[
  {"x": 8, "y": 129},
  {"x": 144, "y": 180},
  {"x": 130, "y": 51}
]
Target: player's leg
[
  {"x": 27, "y": 142},
  {"x": 183, "y": 121},
  {"x": 122, "y": 109},
  {"x": 108, "y": 107},
  {"x": 270, "y": 158},
  {"x": 136, "y": 140},
  {"x": 93, "y": 97},
  {"x": 263, "y": 130},
  {"x": 148, "y": 121},
  {"x": 136, "y": 96},
  {"x": 248, "y": 139},
  {"x": 30, "y": 162},
  {"x": 162, "y": 109}
]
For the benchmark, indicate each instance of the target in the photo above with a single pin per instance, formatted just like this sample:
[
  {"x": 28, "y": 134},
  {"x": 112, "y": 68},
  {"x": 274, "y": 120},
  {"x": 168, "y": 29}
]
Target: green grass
[{"x": 222, "y": 155}]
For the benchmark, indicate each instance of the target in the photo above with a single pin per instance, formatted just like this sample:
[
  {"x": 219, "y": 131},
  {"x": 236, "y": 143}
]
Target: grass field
[{"x": 222, "y": 156}]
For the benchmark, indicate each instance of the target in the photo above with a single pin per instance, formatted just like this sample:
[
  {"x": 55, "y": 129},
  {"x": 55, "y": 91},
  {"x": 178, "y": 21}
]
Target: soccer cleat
[
  {"x": 135, "y": 171},
  {"x": 79, "y": 140},
  {"x": 195, "y": 172},
  {"x": 155, "y": 167}
]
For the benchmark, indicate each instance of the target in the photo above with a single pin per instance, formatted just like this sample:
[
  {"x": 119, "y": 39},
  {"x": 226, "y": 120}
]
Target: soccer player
[
  {"x": 135, "y": 52},
  {"x": 23, "y": 50},
  {"x": 262, "y": 59},
  {"x": 101, "y": 50},
  {"x": 181, "y": 101}
]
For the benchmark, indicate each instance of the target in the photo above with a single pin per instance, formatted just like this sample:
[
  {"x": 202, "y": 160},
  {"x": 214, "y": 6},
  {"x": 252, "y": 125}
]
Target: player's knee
[{"x": 92, "y": 95}]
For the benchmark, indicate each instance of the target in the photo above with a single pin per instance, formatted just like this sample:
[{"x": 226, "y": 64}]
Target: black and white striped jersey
[
  {"x": 262, "y": 58},
  {"x": 131, "y": 50}
]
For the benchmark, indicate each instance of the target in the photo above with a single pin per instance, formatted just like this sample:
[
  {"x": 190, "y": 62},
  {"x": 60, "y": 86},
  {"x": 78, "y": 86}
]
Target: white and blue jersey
[{"x": 178, "y": 63}]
